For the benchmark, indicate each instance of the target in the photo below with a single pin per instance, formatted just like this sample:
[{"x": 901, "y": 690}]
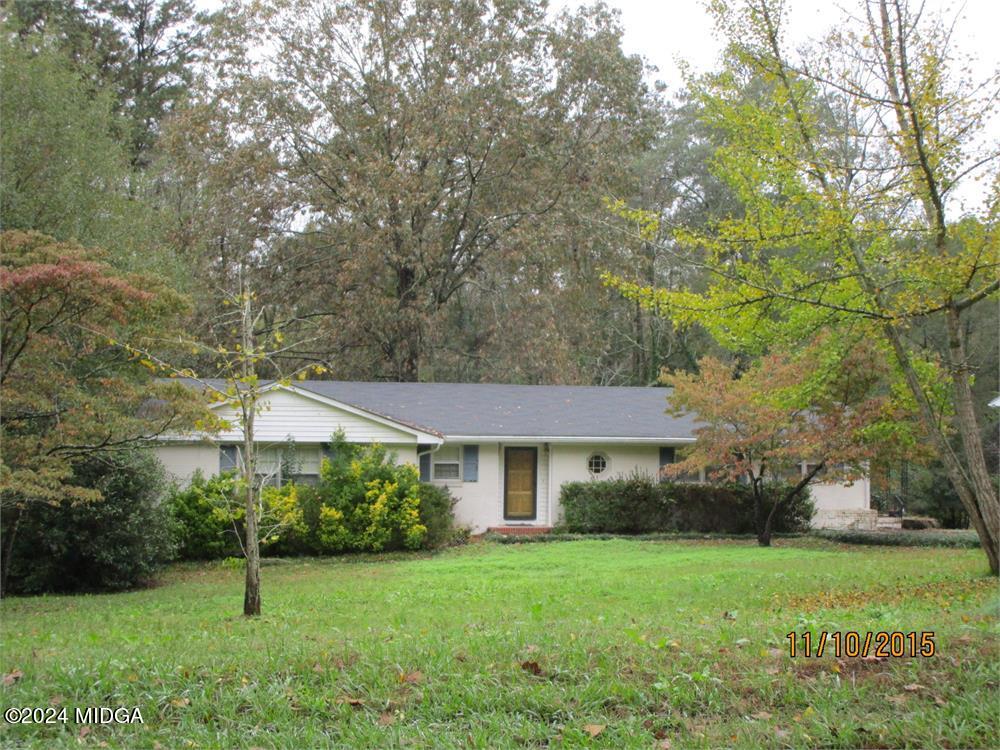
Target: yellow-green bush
[
  {"x": 364, "y": 502},
  {"x": 368, "y": 503}
]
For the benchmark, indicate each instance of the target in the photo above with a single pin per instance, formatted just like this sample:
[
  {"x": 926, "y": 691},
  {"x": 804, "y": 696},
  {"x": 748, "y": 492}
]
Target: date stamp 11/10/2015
[{"x": 881, "y": 644}]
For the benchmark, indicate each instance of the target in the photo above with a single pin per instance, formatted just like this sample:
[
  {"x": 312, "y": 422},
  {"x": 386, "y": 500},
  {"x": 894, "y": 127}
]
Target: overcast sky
[{"x": 664, "y": 31}]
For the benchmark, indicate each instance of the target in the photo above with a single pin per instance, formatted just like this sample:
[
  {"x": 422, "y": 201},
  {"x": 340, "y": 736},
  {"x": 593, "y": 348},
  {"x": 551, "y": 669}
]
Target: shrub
[
  {"x": 363, "y": 502},
  {"x": 204, "y": 528},
  {"x": 638, "y": 504},
  {"x": 436, "y": 515},
  {"x": 118, "y": 542},
  {"x": 371, "y": 504},
  {"x": 914, "y": 523},
  {"x": 928, "y": 538}
]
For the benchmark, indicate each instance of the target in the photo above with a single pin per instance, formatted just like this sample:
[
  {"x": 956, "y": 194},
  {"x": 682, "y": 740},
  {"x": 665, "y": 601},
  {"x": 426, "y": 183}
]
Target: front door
[{"x": 520, "y": 474}]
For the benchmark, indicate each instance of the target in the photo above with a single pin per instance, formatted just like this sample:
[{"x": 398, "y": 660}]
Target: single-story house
[{"x": 503, "y": 451}]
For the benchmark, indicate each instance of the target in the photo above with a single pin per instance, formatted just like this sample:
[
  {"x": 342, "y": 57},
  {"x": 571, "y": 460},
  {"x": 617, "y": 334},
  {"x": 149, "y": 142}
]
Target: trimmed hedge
[
  {"x": 664, "y": 536},
  {"x": 641, "y": 505},
  {"x": 928, "y": 538}
]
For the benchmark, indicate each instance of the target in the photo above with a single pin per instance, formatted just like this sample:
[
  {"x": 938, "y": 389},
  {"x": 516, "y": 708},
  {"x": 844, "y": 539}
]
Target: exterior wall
[
  {"x": 842, "y": 496},
  {"x": 182, "y": 460},
  {"x": 405, "y": 454},
  {"x": 306, "y": 420},
  {"x": 479, "y": 503},
  {"x": 844, "y": 506},
  {"x": 569, "y": 464}
]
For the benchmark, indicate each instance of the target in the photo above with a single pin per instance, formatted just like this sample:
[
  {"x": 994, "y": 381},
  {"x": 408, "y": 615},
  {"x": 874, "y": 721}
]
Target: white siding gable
[{"x": 285, "y": 415}]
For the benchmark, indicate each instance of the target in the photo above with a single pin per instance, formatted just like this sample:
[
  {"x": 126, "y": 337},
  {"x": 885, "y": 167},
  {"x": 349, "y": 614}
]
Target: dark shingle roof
[{"x": 565, "y": 411}]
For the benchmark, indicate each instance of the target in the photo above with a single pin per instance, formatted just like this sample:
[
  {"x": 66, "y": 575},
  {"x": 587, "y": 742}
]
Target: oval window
[{"x": 597, "y": 464}]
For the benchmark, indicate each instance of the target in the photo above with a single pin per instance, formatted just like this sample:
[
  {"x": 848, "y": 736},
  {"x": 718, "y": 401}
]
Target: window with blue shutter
[
  {"x": 425, "y": 467},
  {"x": 229, "y": 458},
  {"x": 470, "y": 463}
]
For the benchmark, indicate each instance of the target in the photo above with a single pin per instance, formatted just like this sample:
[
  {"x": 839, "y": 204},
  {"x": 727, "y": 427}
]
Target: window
[
  {"x": 597, "y": 464},
  {"x": 276, "y": 465},
  {"x": 302, "y": 467},
  {"x": 786, "y": 473},
  {"x": 229, "y": 458},
  {"x": 447, "y": 463}
]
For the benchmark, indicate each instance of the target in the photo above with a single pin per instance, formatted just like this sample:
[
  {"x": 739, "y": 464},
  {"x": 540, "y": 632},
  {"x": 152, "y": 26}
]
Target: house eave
[
  {"x": 568, "y": 439},
  {"x": 421, "y": 434}
]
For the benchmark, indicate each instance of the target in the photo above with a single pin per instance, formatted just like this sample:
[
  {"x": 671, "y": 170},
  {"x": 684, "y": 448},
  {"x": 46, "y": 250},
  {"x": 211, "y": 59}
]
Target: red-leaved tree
[
  {"x": 761, "y": 425},
  {"x": 69, "y": 392}
]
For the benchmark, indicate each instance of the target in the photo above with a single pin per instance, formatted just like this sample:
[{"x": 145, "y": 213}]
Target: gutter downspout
[
  {"x": 434, "y": 449},
  {"x": 548, "y": 510}
]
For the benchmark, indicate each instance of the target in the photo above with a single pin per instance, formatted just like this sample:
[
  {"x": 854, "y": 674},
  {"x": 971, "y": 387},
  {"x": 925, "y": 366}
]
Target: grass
[{"x": 615, "y": 643}]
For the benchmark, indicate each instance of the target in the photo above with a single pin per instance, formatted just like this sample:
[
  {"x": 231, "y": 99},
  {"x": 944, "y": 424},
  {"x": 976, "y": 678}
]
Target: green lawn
[{"x": 604, "y": 643}]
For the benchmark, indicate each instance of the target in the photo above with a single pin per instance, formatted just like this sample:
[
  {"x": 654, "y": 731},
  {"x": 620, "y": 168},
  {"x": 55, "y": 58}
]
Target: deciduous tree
[
  {"x": 69, "y": 392},
  {"x": 431, "y": 143},
  {"x": 813, "y": 407},
  {"x": 849, "y": 173}
]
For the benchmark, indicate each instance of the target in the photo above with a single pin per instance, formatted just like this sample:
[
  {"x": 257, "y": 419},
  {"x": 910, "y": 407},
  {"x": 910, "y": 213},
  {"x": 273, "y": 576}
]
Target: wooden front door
[{"x": 520, "y": 475}]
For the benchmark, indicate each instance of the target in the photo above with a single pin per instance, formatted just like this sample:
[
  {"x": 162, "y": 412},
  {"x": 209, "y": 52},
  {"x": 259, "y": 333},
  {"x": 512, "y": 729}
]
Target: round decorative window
[{"x": 597, "y": 464}]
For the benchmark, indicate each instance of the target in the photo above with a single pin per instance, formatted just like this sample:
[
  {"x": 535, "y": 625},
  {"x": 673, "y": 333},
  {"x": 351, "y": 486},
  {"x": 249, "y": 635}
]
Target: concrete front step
[{"x": 520, "y": 530}]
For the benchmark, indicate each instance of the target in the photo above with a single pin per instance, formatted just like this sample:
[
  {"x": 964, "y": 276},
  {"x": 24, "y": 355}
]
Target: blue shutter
[
  {"x": 666, "y": 455},
  {"x": 228, "y": 458},
  {"x": 425, "y": 467},
  {"x": 470, "y": 463}
]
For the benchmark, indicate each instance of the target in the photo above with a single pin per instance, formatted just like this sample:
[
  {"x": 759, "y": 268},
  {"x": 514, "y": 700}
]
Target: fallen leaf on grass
[
  {"x": 532, "y": 666},
  {"x": 355, "y": 702},
  {"x": 913, "y": 687},
  {"x": 411, "y": 677},
  {"x": 13, "y": 676},
  {"x": 663, "y": 744},
  {"x": 594, "y": 729},
  {"x": 762, "y": 715},
  {"x": 180, "y": 702},
  {"x": 939, "y": 701},
  {"x": 899, "y": 700},
  {"x": 84, "y": 731},
  {"x": 386, "y": 719}
]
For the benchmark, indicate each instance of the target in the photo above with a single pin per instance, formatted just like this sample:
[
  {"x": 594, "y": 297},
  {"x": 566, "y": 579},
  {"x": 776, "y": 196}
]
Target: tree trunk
[
  {"x": 764, "y": 536},
  {"x": 763, "y": 530},
  {"x": 10, "y": 532},
  {"x": 978, "y": 476},
  {"x": 409, "y": 334},
  {"x": 251, "y": 545}
]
